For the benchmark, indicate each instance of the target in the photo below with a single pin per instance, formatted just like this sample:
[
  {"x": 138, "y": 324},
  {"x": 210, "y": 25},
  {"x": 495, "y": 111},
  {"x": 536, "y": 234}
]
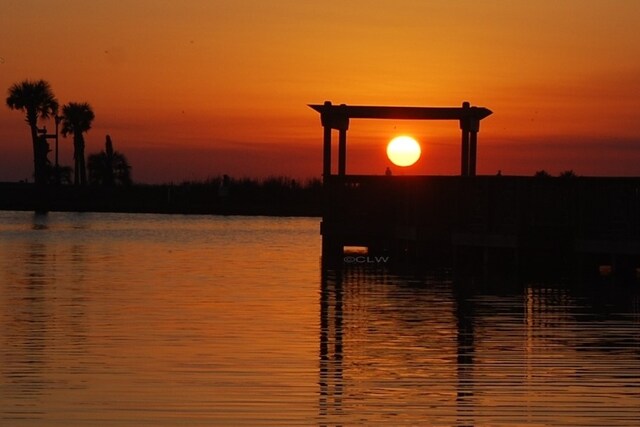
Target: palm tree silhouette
[
  {"x": 109, "y": 167},
  {"x": 76, "y": 119},
  {"x": 36, "y": 99}
]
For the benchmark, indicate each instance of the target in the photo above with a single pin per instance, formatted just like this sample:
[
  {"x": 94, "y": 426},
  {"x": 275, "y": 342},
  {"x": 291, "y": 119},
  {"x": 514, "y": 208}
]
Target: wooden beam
[{"x": 402, "y": 113}]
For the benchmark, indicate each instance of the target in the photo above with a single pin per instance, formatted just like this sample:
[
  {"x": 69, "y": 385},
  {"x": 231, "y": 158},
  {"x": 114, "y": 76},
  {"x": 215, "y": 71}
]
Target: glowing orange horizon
[{"x": 233, "y": 82}]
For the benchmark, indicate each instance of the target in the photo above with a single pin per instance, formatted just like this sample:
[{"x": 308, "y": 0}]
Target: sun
[{"x": 403, "y": 150}]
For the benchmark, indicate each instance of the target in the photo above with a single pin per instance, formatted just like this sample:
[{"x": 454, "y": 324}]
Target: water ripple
[{"x": 152, "y": 320}]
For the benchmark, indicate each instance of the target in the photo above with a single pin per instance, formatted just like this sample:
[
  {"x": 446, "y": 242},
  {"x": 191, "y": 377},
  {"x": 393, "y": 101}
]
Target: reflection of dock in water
[
  {"x": 399, "y": 349},
  {"x": 476, "y": 221},
  {"x": 382, "y": 360},
  {"x": 331, "y": 351}
]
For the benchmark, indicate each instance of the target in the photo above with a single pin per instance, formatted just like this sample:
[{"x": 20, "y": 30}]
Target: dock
[
  {"x": 447, "y": 219},
  {"x": 473, "y": 221}
]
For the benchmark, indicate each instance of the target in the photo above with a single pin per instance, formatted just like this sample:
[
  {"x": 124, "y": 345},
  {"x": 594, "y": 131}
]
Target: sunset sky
[{"x": 199, "y": 88}]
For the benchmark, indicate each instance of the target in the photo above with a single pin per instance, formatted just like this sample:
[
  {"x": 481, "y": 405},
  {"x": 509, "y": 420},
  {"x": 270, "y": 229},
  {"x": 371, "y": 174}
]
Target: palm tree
[
  {"x": 76, "y": 119},
  {"x": 36, "y": 99},
  {"x": 109, "y": 167}
]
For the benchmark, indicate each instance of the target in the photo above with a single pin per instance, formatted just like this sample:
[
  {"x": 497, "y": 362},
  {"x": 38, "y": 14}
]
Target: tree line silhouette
[
  {"x": 37, "y": 101},
  {"x": 108, "y": 173},
  {"x": 110, "y": 169}
]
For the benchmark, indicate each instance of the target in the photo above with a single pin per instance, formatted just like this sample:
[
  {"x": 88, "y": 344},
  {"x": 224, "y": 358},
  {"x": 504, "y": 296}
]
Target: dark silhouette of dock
[{"x": 476, "y": 221}]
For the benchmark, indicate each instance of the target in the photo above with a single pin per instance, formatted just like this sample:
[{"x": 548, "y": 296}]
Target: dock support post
[
  {"x": 341, "y": 122},
  {"x": 326, "y": 157},
  {"x": 342, "y": 152},
  {"x": 464, "y": 155},
  {"x": 326, "y": 165},
  {"x": 474, "y": 127},
  {"x": 464, "y": 162}
]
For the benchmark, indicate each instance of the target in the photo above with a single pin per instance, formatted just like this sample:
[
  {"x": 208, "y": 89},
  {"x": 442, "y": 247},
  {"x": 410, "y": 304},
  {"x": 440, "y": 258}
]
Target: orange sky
[{"x": 205, "y": 87}]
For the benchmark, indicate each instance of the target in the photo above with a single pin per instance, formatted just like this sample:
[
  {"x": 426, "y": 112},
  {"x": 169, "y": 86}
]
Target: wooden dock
[
  {"x": 463, "y": 219},
  {"x": 471, "y": 220}
]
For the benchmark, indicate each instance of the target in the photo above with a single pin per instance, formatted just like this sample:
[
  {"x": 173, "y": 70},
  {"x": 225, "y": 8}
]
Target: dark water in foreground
[{"x": 152, "y": 320}]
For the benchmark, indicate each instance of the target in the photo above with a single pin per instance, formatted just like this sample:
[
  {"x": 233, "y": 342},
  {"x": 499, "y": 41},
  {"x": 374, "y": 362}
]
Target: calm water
[{"x": 153, "y": 320}]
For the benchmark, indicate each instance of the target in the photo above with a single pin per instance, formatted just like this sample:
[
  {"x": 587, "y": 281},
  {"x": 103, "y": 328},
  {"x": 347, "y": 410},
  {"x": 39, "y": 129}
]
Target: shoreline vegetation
[
  {"x": 104, "y": 184},
  {"x": 221, "y": 195},
  {"x": 274, "y": 196}
]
